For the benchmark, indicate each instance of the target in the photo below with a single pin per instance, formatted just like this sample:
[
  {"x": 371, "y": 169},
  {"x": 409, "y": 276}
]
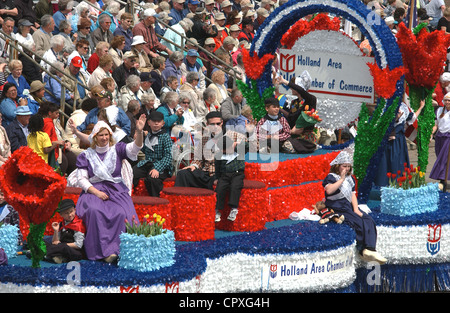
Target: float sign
[{"x": 334, "y": 76}]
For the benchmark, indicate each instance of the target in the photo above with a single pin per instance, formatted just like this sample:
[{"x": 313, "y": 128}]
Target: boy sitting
[
  {"x": 68, "y": 237},
  {"x": 273, "y": 129},
  {"x": 229, "y": 172},
  {"x": 157, "y": 165}
]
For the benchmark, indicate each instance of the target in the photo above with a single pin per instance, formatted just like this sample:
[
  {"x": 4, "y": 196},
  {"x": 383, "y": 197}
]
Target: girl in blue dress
[{"x": 340, "y": 196}]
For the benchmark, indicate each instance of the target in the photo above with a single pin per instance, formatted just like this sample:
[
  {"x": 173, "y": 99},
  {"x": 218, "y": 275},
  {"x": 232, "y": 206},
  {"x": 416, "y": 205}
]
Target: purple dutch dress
[{"x": 104, "y": 219}]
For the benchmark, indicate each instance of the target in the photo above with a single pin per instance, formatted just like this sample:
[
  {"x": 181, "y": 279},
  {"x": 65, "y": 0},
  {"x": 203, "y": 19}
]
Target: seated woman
[
  {"x": 105, "y": 202},
  {"x": 9, "y": 102},
  {"x": 16, "y": 77},
  {"x": 172, "y": 111},
  {"x": 341, "y": 197},
  {"x": 36, "y": 96}
]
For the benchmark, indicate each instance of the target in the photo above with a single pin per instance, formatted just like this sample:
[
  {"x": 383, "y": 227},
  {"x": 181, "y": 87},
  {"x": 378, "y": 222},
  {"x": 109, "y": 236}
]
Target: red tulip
[{"x": 385, "y": 80}]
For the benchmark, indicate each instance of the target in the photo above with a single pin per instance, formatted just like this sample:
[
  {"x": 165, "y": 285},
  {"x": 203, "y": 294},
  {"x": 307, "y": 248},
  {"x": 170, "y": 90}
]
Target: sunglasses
[
  {"x": 215, "y": 124},
  {"x": 186, "y": 102}
]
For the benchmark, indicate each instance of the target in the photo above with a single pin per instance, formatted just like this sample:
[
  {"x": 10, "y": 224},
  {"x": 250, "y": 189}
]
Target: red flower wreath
[
  {"x": 254, "y": 66},
  {"x": 385, "y": 80},
  {"x": 31, "y": 186},
  {"x": 321, "y": 22}
]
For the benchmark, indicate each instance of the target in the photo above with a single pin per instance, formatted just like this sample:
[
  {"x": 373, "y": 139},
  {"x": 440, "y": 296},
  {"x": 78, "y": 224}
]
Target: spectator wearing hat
[
  {"x": 23, "y": 33},
  {"x": 201, "y": 29},
  {"x": 157, "y": 165},
  {"x": 390, "y": 22},
  {"x": 74, "y": 71},
  {"x": 228, "y": 45},
  {"x": 172, "y": 38},
  {"x": 226, "y": 7},
  {"x": 176, "y": 13},
  {"x": 68, "y": 237},
  {"x": 191, "y": 64},
  {"x": 193, "y": 44},
  {"x": 235, "y": 30},
  {"x": 127, "y": 68},
  {"x": 161, "y": 28},
  {"x": 17, "y": 130},
  {"x": 137, "y": 47},
  {"x": 147, "y": 31},
  {"x": 261, "y": 15},
  {"x": 220, "y": 20},
  {"x": 208, "y": 59},
  {"x": 147, "y": 82},
  {"x": 125, "y": 29},
  {"x": 36, "y": 96},
  {"x": 210, "y": 10},
  {"x": 102, "y": 33}
]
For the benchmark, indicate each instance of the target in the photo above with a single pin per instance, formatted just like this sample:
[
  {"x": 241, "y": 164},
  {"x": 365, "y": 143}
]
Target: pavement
[{"x": 431, "y": 158}]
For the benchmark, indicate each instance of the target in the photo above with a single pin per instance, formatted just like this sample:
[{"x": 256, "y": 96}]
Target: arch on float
[{"x": 383, "y": 43}]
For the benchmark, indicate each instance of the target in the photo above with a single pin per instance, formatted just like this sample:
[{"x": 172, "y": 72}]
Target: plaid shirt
[
  {"x": 237, "y": 165},
  {"x": 161, "y": 155},
  {"x": 204, "y": 153}
]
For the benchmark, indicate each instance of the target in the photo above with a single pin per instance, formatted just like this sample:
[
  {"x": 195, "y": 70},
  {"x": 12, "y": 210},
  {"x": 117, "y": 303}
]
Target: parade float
[{"x": 266, "y": 250}]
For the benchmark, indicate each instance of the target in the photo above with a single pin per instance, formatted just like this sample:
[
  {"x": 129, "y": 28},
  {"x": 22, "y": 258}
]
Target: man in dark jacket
[{"x": 17, "y": 130}]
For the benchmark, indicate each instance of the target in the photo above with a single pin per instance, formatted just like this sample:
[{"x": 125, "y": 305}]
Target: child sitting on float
[{"x": 340, "y": 196}]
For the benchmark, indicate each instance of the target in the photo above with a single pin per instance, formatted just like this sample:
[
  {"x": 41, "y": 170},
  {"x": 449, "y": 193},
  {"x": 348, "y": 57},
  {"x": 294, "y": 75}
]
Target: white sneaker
[
  {"x": 233, "y": 214},
  {"x": 218, "y": 215}
]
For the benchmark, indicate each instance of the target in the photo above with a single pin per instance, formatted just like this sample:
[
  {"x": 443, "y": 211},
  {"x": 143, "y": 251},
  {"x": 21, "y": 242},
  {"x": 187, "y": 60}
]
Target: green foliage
[
  {"x": 254, "y": 100},
  {"x": 371, "y": 131}
]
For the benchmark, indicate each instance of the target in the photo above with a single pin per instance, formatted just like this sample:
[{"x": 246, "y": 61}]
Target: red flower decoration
[
  {"x": 31, "y": 186},
  {"x": 254, "y": 66},
  {"x": 385, "y": 80},
  {"x": 423, "y": 55},
  {"x": 321, "y": 22}
]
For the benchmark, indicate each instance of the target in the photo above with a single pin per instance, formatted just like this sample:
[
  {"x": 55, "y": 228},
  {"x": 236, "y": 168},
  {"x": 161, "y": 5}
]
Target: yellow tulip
[{"x": 147, "y": 216}]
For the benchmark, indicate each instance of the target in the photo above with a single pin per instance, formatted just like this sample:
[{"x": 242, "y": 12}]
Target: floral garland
[
  {"x": 301, "y": 28},
  {"x": 34, "y": 189}
]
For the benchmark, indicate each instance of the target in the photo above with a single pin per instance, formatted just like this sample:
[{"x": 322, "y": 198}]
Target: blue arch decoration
[{"x": 386, "y": 51}]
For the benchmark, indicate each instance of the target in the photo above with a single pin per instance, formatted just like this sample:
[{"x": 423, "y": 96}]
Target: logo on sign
[
  {"x": 434, "y": 238},
  {"x": 273, "y": 270},
  {"x": 287, "y": 62},
  {"x": 172, "y": 287}
]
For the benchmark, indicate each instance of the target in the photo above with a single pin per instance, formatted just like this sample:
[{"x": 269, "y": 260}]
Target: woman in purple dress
[
  {"x": 441, "y": 131},
  {"x": 105, "y": 201}
]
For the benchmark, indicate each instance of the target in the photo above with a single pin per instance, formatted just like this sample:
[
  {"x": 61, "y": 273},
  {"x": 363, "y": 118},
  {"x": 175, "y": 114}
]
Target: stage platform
[{"x": 286, "y": 256}]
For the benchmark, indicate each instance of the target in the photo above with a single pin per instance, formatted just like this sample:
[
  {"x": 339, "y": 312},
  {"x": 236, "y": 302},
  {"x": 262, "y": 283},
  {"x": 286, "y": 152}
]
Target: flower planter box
[
  {"x": 405, "y": 202},
  {"x": 145, "y": 254},
  {"x": 9, "y": 237}
]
